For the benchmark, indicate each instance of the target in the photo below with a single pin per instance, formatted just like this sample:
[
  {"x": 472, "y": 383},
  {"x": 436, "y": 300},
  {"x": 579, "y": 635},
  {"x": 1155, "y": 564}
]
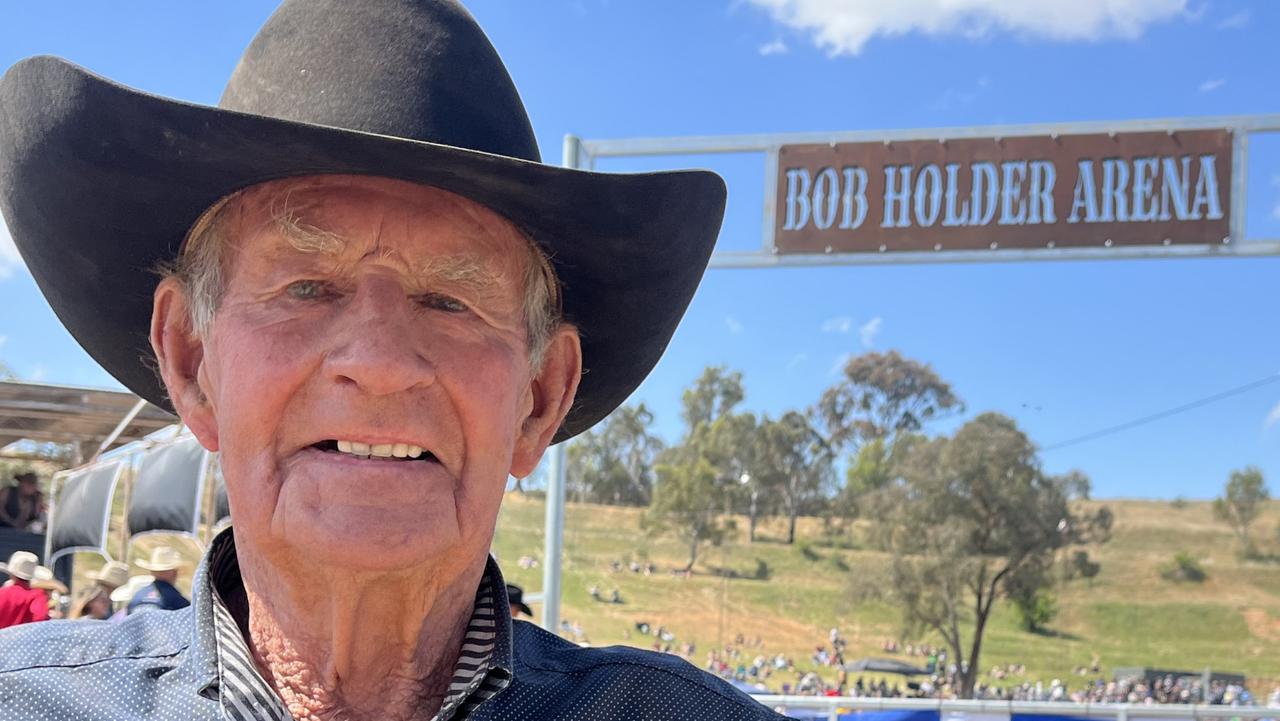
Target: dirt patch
[{"x": 1262, "y": 624}]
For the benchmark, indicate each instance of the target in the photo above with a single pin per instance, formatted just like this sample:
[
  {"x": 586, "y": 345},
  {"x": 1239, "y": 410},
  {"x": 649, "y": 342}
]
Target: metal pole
[
  {"x": 554, "y": 541},
  {"x": 120, "y": 428}
]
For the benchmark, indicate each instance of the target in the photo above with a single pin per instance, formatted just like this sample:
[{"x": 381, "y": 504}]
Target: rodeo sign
[{"x": 1099, "y": 189}]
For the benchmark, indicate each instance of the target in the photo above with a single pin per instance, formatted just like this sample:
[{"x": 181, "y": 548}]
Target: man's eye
[
  {"x": 436, "y": 301},
  {"x": 307, "y": 290}
]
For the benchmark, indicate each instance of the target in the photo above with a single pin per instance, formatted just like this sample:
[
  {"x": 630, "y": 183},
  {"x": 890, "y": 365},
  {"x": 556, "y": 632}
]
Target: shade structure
[
  {"x": 167, "y": 488},
  {"x": 82, "y": 510},
  {"x": 884, "y": 665},
  {"x": 85, "y": 417}
]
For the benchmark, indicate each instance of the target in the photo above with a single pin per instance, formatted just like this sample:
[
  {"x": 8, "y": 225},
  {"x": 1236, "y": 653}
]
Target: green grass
[{"x": 1127, "y": 616}]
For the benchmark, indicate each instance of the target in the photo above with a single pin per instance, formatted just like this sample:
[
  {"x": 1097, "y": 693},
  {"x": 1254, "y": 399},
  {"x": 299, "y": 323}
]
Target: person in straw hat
[
  {"x": 161, "y": 593},
  {"x": 376, "y": 303},
  {"x": 21, "y": 600},
  {"x": 95, "y": 601},
  {"x": 111, "y": 576}
]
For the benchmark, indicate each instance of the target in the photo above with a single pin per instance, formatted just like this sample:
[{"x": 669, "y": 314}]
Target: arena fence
[{"x": 847, "y": 708}]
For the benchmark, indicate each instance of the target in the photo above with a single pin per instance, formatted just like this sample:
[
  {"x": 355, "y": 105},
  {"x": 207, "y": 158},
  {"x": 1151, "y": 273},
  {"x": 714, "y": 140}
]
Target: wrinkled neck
[{"x": 355, "y": 645}]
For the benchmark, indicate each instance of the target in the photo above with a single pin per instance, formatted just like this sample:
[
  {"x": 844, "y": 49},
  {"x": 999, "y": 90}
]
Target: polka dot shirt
[{"x": 168, "y": 665}]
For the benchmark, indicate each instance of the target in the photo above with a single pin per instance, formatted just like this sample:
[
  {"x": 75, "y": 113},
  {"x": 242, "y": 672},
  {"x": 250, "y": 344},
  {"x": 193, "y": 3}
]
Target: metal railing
[{"x": 955, "y": 710}]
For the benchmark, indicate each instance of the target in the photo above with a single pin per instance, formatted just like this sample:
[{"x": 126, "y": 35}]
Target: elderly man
[{"x": 375, "y": 303}]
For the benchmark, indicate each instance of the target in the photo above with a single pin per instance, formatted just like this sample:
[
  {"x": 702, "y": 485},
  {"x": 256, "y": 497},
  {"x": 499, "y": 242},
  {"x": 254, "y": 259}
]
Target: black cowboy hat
[
  {"x": 100, "y": 183},
  {"x": 515, "y": 597}
]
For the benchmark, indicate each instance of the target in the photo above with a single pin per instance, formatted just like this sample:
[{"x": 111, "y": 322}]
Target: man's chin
[{"x": 366, "y": 538}]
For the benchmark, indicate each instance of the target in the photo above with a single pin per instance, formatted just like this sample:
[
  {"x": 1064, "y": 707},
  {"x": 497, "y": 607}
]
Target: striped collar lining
[{"x": 479, "y": 674}]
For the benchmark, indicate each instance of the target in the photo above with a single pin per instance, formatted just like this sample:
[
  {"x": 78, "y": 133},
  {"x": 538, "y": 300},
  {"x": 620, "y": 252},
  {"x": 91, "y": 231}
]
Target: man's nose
[{"x": 379, "y": 349}]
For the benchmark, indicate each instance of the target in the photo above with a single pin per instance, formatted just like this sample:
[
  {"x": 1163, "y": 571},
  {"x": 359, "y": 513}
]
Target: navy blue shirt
[
  {"x": 159, "y": 594},
  {"x": 171, "y": 666}
]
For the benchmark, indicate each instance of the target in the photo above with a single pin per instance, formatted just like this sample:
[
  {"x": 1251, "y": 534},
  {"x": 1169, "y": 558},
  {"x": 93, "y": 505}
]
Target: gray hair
[{"x": 200, "y": 269}]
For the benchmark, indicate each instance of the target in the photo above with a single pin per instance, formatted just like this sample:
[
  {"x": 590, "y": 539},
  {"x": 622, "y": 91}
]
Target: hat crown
[
  {"x": 22, "y": 564},
  {"x": 417, "y": 69}
]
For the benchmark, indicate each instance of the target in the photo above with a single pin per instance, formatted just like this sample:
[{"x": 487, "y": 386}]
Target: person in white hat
[
  {"x": 111, "y": 576},
  {"x": 19, "y": 601},
  {"x": 95, "y": 601},
  {"x": 160, "y": 593},
  {"x": 121, "y": 597}
]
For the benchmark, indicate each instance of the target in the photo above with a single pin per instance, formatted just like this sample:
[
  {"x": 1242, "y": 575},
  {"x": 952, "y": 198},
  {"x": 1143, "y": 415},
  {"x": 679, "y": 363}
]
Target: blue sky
[{"x": 1066, "y": 348}]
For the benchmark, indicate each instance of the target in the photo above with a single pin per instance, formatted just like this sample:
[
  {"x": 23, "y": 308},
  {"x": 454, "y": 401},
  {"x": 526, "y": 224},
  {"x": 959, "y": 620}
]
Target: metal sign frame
[{"x": 583, "y": 154}]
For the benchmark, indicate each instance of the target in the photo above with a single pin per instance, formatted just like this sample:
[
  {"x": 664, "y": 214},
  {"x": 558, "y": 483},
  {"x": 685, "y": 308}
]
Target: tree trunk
[
  {"x": 751, "y": 533},
  {"x": 968, "y": 677},
  {"x": 693, "y": 554},
  {"x": 519, "y": 486},
  {"x": 793, "y": 511}
]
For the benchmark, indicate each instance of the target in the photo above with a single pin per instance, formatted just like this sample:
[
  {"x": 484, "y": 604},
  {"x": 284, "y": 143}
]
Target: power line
[{"x": 1166, "y": 413}]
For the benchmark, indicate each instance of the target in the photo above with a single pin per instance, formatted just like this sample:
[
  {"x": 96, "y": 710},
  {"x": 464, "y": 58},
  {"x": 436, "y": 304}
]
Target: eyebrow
[{"x": 463, "y": 270}]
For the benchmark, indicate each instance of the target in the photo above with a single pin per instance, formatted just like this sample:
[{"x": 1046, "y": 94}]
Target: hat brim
[
  {"x": 4, "y": 568},
  {"x": 99, "y": 184}
]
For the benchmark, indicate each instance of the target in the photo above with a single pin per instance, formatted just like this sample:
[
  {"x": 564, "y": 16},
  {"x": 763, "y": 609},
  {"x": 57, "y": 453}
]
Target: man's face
[{"x": 381, "y": 316}]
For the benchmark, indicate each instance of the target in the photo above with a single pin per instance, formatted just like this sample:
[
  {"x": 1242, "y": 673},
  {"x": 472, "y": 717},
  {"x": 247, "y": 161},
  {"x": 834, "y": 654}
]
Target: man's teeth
[{"x": 380, "y": 450}]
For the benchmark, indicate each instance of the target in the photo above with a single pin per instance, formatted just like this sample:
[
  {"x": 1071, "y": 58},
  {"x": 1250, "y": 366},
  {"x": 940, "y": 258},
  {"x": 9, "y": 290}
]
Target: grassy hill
[{"x": 1128, "y": 615}]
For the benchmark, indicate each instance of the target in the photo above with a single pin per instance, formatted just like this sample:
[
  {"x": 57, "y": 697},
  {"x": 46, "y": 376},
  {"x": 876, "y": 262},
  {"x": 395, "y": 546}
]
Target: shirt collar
[{"x": 217, "y": 589}]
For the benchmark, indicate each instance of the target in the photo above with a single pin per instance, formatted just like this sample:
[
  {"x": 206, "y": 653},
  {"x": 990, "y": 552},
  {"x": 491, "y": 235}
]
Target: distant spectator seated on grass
[
  {"x": 161, "y": 593},
  {"x": 19, "y": 602},
  {"x": 21, "y": 504}
]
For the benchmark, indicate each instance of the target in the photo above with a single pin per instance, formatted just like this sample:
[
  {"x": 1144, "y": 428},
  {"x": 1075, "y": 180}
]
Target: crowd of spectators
[
  {"x": 29, "y": 593},
  {"x": 752, "y": 666},
  {"x": 745, "y": 660}
]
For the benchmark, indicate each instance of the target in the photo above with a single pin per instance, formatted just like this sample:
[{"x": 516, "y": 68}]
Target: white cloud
[
  {"x": 1273, "y": 417},
  {"x": 4, "y": 339},
  {"x": 843, "y": 27},
  {"x": 735, "y": 326},
  {"x": 1196, "y": 14},
  {"x": 1237, "y": 21},
  {"x": 839, "y": 324},
  {"x": 870, "y": 330},
  {"x": 796, "y": 360},
  {"x": 1209, "y": 86},
  {"x": 777, "y": 47},
  {"x": 9, "y": 258},
  {"x": 38, "y": 373}
]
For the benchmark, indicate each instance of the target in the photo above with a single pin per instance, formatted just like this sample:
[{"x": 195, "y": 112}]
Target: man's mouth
[{"x": 377, "y": 451}]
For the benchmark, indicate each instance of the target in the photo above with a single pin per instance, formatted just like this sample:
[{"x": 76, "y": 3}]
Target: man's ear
[
  {"x": 553, "y": 390},
  {"x": 179, "y": 354}
]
